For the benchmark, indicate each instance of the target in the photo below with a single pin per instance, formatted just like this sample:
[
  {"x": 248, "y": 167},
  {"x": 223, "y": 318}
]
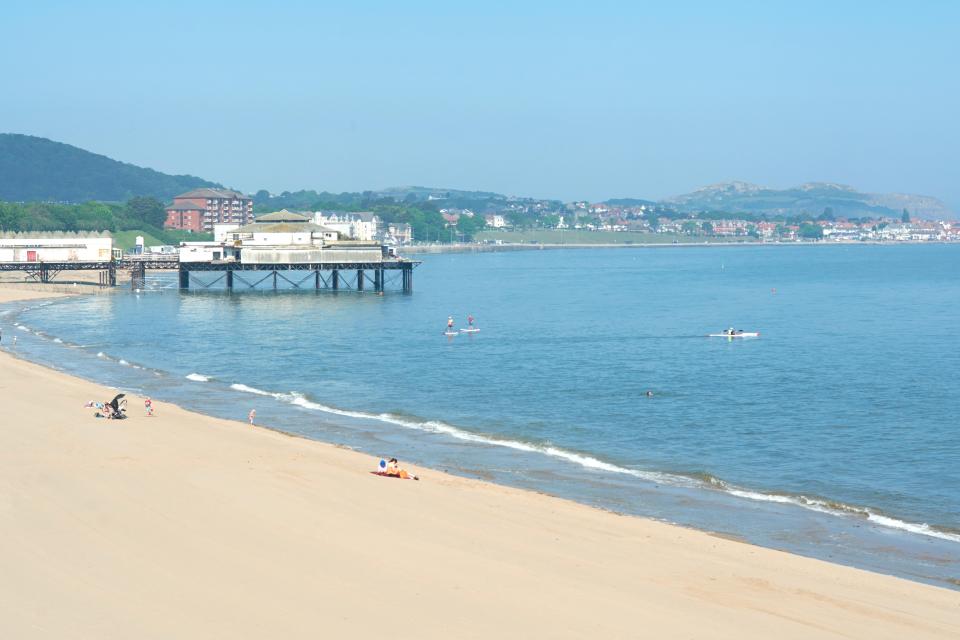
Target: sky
[{"x": 568, "y": 100}]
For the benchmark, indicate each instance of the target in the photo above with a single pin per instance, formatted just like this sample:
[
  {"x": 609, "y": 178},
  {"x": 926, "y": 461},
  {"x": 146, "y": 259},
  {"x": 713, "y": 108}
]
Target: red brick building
[{"x": 200, "y": 209}]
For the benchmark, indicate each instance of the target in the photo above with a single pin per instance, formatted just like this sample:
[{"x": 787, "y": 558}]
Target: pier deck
[{"x": 357, "y": 276}]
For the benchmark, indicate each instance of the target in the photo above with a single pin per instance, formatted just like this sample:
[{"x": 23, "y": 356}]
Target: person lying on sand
[{"x": 393, "y": 470}]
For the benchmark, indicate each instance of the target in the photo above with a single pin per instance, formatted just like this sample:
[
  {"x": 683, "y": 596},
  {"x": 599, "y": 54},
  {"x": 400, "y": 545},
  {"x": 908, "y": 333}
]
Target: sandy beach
[{"x": 182, "y": 525}]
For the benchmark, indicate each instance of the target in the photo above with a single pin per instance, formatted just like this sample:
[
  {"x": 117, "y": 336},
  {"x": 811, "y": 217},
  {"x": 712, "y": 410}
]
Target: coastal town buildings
[
  {"x": 399, "y": 233},
  {"x": 281, "y": 237},
  {"x": 358, "y": 225},
  {"x": 198, "y": 210}
]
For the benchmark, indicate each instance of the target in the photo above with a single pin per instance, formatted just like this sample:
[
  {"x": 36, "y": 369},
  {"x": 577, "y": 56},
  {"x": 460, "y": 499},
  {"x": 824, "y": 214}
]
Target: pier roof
[
  {"x": 282, "y": 216},
  {"x": 282, "y": 227}
]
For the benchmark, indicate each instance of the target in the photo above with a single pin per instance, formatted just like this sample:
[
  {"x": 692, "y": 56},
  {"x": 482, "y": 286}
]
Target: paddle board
[{"x": 745, "y": 334}]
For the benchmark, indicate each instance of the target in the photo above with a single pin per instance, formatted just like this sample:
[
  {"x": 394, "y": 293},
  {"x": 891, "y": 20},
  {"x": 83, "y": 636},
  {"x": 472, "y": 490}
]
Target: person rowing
[{"x": 470, "y": 321}]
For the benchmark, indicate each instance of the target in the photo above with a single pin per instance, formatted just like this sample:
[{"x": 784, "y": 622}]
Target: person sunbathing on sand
[{"x": 394, "y": 470}]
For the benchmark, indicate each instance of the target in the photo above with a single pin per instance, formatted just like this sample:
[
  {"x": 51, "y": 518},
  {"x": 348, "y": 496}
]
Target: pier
[
  {"x": 335, "y": 276},
  {"x": 378, "y": 276}
]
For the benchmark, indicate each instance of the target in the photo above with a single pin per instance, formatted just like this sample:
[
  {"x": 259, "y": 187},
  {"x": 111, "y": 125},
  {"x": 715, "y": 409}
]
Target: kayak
[{"x": 743, "y": 334}]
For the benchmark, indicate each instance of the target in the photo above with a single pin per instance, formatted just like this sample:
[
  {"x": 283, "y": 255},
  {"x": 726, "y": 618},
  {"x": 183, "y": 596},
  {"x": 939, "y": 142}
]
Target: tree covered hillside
[{"x": 36, "y": 169}]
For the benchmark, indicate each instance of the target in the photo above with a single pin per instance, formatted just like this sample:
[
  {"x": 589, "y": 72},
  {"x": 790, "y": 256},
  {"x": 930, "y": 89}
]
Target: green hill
[
  {"x": 811, "y": 198},
  {"x": 35, "y": 169}
]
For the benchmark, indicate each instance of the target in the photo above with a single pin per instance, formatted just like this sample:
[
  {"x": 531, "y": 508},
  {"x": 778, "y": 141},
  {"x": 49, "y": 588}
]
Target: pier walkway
[{"x": 336, "y": 276}]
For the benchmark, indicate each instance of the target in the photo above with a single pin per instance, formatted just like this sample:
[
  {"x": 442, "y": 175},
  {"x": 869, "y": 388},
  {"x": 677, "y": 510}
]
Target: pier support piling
[
  {"x": 336, "y": 280},
  {"x": 230, "y": 280},
  {"x": 138, "y": 276},
  {"x": 359, "y": 279},
  {"x": 184, "y": 278}
]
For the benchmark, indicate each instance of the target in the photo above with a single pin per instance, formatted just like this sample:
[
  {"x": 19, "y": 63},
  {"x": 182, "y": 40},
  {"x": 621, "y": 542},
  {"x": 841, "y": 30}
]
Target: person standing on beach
[
  {"x": 251, "y": 416},
  {"x": 148, "y": 405}
]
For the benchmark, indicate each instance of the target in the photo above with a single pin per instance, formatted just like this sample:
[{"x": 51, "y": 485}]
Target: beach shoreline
[{"x": 188, "y": 525}]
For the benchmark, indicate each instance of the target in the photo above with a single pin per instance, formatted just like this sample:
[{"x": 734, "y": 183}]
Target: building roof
[
  {"x": 283, "y": 216},
  {"x": 213, "y": 193},
  {"x": 282, "y": 227},
  {"x": 54, "y": 234}
]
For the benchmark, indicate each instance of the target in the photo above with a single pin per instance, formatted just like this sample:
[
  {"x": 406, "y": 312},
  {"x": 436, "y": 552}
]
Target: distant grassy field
[
  {"x": 563, "y": 236},
  {"x": 127, "y": 239}
]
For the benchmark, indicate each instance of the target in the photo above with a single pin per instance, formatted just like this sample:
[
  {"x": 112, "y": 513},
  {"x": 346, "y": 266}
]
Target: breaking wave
[
  {"x": 702, "y": 481},
  {"x": 196, "y": 377}
]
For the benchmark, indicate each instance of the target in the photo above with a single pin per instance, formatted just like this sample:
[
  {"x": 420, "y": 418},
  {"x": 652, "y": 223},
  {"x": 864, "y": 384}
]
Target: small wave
[
  {"x": 123, "y": 362},
  {"x": 101, "y": 354},
  {"x": 23, "y": 327},
  {"x": 435, "y": 426},
  {"x": 834, "y": 508},
  {"x": 58, "y": 340},
  {"x": 246, "y": 389},
  {"x": 696, "y": 480},
  {"x": 921, "y": 528},
  {"x": 196, "y": 377}
]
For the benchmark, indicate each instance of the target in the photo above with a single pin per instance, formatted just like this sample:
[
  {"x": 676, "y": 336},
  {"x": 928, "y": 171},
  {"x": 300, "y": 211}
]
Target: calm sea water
[{"x": 834, "y": 434}]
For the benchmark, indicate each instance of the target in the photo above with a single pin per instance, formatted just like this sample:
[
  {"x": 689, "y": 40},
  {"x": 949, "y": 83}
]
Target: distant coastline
[{"x": 475, "y": 247}]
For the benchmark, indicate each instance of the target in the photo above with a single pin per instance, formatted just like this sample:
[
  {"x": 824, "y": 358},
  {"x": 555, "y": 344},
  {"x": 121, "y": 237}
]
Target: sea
[{"x": 835, "y": 434}]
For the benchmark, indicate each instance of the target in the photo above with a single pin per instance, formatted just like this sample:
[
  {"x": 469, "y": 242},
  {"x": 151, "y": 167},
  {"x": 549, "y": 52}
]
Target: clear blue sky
[{"x": 554, "y": 99}]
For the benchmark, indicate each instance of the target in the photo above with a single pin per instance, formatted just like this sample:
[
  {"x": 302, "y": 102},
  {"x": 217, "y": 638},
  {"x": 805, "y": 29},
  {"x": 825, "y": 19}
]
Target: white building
[
  {"x": 207, "y": 252},
  {"x": 282, "y": 237},
  {"x": 56, "y": 246},
  {"x": 357, "y": 225},
  {"x": 496, "y": 221},
  {"x": 399, "y": 233},
  {"x": 281, "y": 228}
]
